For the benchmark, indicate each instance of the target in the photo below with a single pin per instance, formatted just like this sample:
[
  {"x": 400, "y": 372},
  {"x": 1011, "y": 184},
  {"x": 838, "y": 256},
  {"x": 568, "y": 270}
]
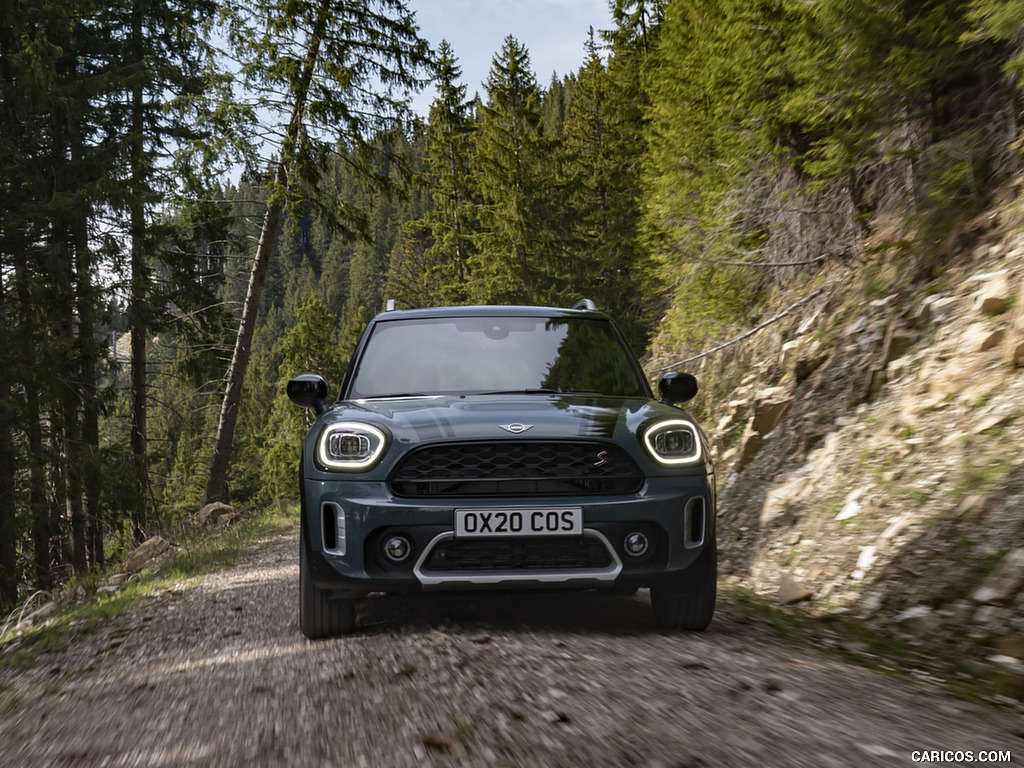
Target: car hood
[{"x": 496, "y": 417}]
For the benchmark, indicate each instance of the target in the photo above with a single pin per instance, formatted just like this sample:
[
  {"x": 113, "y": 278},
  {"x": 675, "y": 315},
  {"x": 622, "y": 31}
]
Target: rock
[
  {"x": 994, "y": 297},
  {"x": 807, "y": 363},
  {"x": 1004, "y": 582},
  {"x": 1013, "y": 349},
  {"x": 750, "y": 444},
  {"x": 938, "y": 307},
  {"x": 865, "y": 561},
  {"x": 989, "y": 616},
  {"x": 789, "y": 352},
  {"x": 229, "y": 518},
  {"x": 1010, "y": 645},
  {"x": 993, "y": 421},
  {"x": 915, "y": 619},
  {"x": 971, "y": 504},
  {"x": 792, "y": 590},
  {"x": 212, "y": 512},
  {"x": 148, "y": 551},
  {"x": 852, "y": 507},
  {"x": 897, "y": 341},
  {"x": 438, "y": 743},
  {"x": 784, "y": 495},
  {"x": 1008, "y": 661},
  {"x": 981, "y": 337},
  {"x": 769, "y": 407},
  {"x": 857, "y": 326},
  {"x": 855, "y": 646},
  {"x": 896, "y": 527}
]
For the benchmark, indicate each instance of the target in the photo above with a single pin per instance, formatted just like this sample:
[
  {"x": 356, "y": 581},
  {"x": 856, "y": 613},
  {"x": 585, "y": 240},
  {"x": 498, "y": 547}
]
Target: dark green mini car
[{"x": 502, "y": 448}]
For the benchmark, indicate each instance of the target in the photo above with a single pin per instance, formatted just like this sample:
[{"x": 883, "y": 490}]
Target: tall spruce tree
[
  {"x": 450, "y": 135},
  {"x": 511, "y": 264},
  {"x": 602, "y": 146}
]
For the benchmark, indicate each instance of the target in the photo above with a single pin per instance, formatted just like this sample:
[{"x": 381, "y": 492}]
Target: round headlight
[
  {"x": 673, "y": 442},
  {"x": 350, "y": 446}
]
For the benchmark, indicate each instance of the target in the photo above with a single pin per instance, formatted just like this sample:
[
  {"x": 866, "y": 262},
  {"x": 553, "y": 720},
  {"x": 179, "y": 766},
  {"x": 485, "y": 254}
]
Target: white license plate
[{"x": 547, "y": 521}]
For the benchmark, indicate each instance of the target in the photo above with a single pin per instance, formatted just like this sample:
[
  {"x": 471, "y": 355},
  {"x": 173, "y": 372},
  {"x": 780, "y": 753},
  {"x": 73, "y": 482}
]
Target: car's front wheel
[
  {"x": 690, "y": 606},
  {"x": 319, "y": 615}
]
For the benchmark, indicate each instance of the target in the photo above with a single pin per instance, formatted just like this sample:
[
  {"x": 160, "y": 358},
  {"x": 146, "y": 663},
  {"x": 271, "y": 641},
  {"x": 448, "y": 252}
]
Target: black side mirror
[
  {"x": 308, "y": 391},
  {"x": 677, "y": 388}
]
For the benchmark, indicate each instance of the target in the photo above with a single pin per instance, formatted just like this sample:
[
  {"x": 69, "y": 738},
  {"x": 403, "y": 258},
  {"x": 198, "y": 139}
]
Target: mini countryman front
[{"x": 502, "y": 448}]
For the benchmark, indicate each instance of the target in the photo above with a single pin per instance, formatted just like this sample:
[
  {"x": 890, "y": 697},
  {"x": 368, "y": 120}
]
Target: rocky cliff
[{"x": 870, "y": 446}]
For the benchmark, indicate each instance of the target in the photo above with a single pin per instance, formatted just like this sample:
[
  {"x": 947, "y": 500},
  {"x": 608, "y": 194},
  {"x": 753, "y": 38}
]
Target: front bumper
[{"x": 346, "y": 523}]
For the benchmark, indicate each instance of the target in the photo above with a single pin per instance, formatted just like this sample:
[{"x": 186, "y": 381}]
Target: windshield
[{"x": 479, "y": 355}]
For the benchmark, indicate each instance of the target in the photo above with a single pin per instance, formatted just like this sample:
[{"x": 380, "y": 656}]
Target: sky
[{"x": 553, "y": 31}]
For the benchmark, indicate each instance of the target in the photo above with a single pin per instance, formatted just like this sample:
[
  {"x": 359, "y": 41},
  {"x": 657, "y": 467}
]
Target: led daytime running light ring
[
  {"x": 663, "y": 426},
  {"x": 376, "y": 438}
]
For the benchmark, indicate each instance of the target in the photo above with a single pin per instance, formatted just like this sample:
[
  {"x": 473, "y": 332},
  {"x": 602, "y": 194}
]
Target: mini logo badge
[{"x": 516, "y": 428}]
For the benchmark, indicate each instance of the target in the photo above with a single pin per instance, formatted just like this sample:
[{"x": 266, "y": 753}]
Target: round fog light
[
  {"x": 397, "y": 548},
  {"x": 636, "y": 544}
]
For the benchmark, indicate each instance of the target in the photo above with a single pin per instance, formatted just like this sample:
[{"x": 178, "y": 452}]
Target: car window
[{"x": 494, "y": 354}]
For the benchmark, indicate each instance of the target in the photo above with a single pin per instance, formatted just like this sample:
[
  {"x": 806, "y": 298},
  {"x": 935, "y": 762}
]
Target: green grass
[{"x": 199, "y": 552}]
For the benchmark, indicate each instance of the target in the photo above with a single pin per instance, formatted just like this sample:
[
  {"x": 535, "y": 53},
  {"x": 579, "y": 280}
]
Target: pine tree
[
  {"x": 602, "y": 147},
  {"x": 512, "y": 262},
  {"x": 450, "y": 135}
]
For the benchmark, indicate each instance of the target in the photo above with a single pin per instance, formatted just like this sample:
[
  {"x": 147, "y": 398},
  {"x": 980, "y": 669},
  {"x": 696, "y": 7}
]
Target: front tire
[
  {"x": 319, "y": 615},
  {"x": 690, "y": 607}
]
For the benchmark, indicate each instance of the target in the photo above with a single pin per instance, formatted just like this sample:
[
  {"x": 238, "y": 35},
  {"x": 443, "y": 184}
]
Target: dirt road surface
[{"x": 219, "y": 675}]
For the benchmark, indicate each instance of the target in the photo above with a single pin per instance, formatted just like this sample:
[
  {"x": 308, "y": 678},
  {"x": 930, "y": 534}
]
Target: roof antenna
[
  {"x": 585, "y": 304},
  {"x": 390, "y": 305}
]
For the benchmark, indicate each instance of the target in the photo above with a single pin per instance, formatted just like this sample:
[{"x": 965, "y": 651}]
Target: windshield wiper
[
  {"x": 538, "y": 391},
  {"x": 394, "y": 396}
]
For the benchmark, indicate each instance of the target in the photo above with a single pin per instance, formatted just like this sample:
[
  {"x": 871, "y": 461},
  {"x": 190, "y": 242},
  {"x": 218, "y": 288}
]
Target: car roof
[{"x": 486, "y": 311}]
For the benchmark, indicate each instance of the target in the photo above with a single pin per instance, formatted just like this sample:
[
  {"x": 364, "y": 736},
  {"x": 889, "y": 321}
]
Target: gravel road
[{"x": 219, "y": 675}]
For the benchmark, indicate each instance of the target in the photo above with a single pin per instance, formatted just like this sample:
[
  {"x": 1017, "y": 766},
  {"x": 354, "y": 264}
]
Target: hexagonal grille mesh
[
  {"x": 517, "y": 555},
  {"x": 520, "y": 468}
]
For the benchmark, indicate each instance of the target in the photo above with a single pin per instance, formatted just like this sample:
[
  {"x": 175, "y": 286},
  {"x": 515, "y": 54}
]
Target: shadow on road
[{"x": 588, "y": 612}]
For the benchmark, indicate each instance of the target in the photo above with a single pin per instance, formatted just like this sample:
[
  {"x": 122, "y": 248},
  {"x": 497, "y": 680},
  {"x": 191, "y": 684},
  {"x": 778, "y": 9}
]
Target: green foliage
[
  {"x": 513, "y": 262},
  {"x": 1003, "y": 21},
  {"x": 702, "y": 133},
  {"x": 310, "y": 346},
  {"x": 450, "y": 136}
]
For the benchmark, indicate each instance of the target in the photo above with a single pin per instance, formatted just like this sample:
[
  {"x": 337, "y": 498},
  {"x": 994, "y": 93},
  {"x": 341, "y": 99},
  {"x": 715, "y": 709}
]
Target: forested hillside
[{"x": 203, "y": 198}]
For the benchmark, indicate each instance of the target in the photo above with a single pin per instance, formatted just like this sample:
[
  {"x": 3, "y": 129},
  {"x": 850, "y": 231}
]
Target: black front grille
[
  {"x": 518, "y": 555},
  {"x": 516, "y": 468}
]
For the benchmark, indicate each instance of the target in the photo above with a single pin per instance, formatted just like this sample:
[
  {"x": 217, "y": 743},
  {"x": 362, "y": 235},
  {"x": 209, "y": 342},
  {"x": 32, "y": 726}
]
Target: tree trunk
[
  {"x": 38, "y": 509},
  {"x": 217, "y": 480},
  {"x": 86, "y": 467},
  {"x": 8, "y": 510},
  {"x": 137, "y": 319}
]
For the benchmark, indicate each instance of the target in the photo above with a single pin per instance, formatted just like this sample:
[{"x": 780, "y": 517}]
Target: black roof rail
[{"x": 585, "y": 304}]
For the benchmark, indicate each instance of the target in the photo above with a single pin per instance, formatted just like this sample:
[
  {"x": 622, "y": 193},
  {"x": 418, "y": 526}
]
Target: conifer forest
[{"x": 200, "y": 199}]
